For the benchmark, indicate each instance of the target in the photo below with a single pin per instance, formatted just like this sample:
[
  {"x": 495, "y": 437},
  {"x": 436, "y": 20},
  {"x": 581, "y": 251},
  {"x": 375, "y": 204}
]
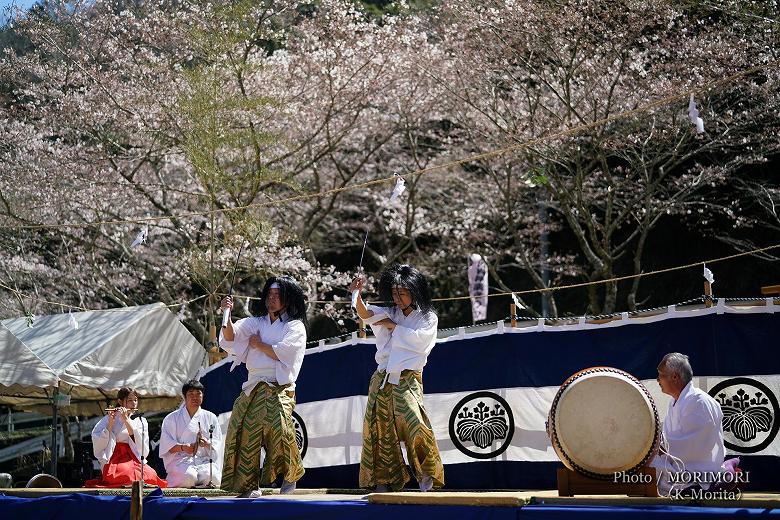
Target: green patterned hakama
[
  {"x": 262, "y": 419},
  {"x": 396, "y": 413}
]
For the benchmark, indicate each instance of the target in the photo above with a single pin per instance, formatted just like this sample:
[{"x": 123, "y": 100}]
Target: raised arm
[
  {"x": 360, "y": 306},
  {"x": 227, "y": 331}
]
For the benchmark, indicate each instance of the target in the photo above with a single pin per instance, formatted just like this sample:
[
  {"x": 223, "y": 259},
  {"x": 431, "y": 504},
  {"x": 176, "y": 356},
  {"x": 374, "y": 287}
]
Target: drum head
[{"x": 604, "y": 422}]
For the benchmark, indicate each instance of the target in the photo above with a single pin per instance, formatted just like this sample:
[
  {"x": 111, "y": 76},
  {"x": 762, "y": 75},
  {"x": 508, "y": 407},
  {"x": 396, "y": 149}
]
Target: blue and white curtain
[{"x": 488, "y": 394}]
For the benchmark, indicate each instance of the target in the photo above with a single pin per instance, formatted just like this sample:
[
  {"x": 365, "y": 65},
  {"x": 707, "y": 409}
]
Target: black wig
[
  {"x": 409, "y": 278},
  {"x": 290, "y": 293}
]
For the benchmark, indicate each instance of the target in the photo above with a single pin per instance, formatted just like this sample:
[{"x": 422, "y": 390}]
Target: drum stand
[{"x": 571, "y": 483}]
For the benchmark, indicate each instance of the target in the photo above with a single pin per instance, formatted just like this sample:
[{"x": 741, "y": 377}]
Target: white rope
[{"x": 669, "y": 461}]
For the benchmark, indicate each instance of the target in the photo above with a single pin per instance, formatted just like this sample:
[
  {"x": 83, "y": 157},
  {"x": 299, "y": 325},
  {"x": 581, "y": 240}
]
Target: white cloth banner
[
  {"x": 478, "y": 287},
  {"x": 512, "y": 422}
]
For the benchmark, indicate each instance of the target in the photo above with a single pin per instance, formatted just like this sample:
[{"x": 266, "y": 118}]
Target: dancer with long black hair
[
  {"x": 405, "y": 330},
  {"x": 271, "y": 344}
]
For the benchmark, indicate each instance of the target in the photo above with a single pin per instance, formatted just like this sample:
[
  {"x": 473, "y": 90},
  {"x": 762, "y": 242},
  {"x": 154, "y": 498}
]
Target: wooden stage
[{"x": 448, "y": 498}]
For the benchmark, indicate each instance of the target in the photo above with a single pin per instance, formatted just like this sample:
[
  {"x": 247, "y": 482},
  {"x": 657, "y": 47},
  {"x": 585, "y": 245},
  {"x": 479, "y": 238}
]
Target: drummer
[{"x": 693, "y": 427}]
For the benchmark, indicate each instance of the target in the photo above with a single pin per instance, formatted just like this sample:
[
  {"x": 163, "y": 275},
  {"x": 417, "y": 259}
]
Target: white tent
[{"x": 142, "y": 347}]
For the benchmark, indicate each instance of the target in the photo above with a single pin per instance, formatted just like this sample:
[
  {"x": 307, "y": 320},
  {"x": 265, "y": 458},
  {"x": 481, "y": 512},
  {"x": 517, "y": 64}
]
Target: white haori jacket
[
  {"x": 104, "y": 441},
  {"x": 287, "y": 338},
  {"x": 407, "y": 347},
  {"x": 179, "y": 428},
  {"x": 693, "y": 429}
]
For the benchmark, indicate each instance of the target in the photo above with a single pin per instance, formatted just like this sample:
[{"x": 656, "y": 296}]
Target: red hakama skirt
[{"x": 124, "y": 468}]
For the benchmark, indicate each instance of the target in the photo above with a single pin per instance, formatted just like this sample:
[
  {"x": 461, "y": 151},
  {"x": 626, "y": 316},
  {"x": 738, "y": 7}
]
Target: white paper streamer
[
  {"x": 708, "y": 275},
  {"x": 72, "y": 321},
  {"x": 400, "y": 186},
  {"x": 693, "y": 115},
  {"x": 693, "y": 112},
  {"x": 141, "y": 237}
]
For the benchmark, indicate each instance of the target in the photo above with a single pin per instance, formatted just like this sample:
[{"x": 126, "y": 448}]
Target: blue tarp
[
  {"x": 159, "y": 508},
  {"x": 549, "y": 512},
  {"x": 118, "y": 508}
]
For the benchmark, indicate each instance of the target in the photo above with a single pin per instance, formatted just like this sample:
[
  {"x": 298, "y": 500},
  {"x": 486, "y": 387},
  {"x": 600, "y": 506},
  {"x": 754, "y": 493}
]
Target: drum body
[
  {"x": 44, "y": 480},
  {"x": 603, "y": 421}
]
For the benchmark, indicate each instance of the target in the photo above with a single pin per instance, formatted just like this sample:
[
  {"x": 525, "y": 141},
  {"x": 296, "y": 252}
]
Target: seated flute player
[
  {"x": 120, "y": 440},
  {"x": 191, "y": 442}
]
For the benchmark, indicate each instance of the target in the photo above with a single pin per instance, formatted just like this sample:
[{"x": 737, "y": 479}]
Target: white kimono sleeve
[
  {"x": 241, "y": 333},
  {"x": 168, "y": 435},
  {"x": 290, "y": 351},
  {"x": 380, "y": 313},
  {"x": 420, "y": 339},
  {"x": 103, "y": 442},
  {"x": 382, "y": 336},
  {"x": 139, "y": 442},
  {"x": 381, "y": 333}
]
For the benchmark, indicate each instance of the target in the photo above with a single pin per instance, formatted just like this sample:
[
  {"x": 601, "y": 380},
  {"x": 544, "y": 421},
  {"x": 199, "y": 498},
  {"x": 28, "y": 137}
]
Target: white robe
[
  {"x": 287, "y": 338},
  {"x": 185, "y": 470},
  {"x": 693, "y": 429},
  {"x": 104, "y": 442},
  {"x": 408, "y": 345}
]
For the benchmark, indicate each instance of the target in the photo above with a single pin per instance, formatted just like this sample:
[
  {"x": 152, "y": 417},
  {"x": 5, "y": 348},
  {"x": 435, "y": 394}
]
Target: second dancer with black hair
[{"x": 405, "y": 331}]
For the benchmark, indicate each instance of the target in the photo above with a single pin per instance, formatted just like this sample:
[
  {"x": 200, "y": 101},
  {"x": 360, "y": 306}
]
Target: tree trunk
[{"x": 610, "y": 297}]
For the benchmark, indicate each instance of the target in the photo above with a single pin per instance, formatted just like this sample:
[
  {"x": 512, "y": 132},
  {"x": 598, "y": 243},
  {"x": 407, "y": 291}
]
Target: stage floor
[
  {"x": 346, "y": 504},
  {"x": 510, "y": 498}
]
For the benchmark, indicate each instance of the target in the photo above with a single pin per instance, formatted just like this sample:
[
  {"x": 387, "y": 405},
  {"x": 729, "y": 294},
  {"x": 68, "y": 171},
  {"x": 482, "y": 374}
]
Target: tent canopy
[{"x": 143, "y": 347}]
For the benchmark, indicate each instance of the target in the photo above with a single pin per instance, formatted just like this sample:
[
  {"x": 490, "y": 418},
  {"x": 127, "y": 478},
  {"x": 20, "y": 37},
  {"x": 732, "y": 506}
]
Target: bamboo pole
[
  {"x": 513, "y": 314},
  {"x": 362, "y": 329},
  {"x": 707, "y": 294},
  {"x": 136, "y": 500}
]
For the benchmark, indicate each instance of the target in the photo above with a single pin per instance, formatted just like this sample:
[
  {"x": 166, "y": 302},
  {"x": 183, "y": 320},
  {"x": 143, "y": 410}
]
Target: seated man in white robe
[
  {"x": 191, "y": 442},
  {"x": 693, "y": 429}
]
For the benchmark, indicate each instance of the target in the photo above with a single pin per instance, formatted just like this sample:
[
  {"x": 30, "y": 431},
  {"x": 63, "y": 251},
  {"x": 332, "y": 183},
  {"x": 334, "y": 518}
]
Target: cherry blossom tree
[
  {"x": 525, "y": 70},
  {"x": 217, "y": 124}
]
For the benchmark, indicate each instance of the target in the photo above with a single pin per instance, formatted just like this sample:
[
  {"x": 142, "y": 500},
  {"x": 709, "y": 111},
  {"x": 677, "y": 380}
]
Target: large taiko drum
[{"x": 604, "y": 421}]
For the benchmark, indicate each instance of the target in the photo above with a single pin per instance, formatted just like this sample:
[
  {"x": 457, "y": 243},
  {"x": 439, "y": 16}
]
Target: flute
[{"x": 117, "y": 408}]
